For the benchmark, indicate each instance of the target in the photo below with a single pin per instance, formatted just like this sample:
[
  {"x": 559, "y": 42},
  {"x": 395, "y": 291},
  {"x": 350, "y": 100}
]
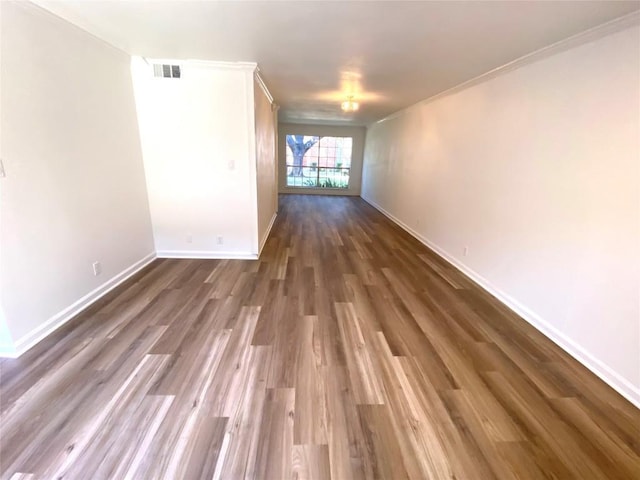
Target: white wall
[
  {"x": 6, "y": 342},
  {"x": 266, "y": 162},
  {"x": 75, "y": 190},
  {"x": 198, "y": 140},
  {"x": 358, "y": 134},
  {"x": 537, "y": 172}
]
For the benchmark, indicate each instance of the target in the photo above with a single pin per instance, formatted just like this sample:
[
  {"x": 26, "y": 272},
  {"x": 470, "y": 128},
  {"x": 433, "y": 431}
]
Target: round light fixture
[{"x": 349, "y": 105}]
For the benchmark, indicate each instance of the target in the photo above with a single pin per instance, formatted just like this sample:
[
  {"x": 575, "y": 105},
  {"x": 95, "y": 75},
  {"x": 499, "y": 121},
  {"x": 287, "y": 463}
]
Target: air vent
[{"x": 166, "y": 71}]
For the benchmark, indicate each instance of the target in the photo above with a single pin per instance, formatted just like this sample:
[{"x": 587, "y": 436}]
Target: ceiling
[{"x": 313, "y": 54}]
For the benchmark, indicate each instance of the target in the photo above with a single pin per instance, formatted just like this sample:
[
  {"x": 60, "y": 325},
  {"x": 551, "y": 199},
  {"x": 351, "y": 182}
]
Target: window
[{"x": 318, "y": 162}]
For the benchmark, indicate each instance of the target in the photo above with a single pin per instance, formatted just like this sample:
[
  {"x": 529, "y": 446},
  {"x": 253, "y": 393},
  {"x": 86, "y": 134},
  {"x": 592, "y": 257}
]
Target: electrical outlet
[
  {"x": 2, "y": 174},
  {"x": 465, "y": 251},
  {"x": 220, "y": 240},
  {"x": 189, "y": 238},
  {"x": 97, "y": 268}
]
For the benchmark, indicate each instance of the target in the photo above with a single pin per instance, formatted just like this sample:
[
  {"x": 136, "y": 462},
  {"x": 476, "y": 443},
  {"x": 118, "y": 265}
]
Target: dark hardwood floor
[{"x": 348, "y": 351}]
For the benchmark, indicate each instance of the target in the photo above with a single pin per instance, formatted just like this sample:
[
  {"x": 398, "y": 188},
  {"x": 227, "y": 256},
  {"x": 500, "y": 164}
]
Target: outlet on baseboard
[
  {"x": 220, "y": 240},
  {"x": 189, "y": 238},
  {"x": 465, "y": 252},
  {"x": 97, "y": 268}
]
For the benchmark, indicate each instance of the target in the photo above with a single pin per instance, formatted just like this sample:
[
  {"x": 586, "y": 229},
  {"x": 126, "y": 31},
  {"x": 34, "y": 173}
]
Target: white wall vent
[{"x": 166, "y": 71}]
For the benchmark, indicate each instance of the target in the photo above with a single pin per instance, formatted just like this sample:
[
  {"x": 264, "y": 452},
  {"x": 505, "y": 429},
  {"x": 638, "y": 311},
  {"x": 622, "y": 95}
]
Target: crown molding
[
  {"x": 244, "y": 66},
  {"x": 616, "y": 25},
  {"x": 263, "y": 86}
]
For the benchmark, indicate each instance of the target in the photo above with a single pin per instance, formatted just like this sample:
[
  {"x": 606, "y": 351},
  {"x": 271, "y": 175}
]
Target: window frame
[{"x": 317, "y": 167}]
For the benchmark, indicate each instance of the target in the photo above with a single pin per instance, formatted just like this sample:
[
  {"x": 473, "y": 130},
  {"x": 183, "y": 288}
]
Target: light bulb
[{"x": 349, "y": 105}]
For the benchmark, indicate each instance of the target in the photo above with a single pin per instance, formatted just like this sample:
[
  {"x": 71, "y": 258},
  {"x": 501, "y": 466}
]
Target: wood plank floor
[{"x": 348, "y": 351}]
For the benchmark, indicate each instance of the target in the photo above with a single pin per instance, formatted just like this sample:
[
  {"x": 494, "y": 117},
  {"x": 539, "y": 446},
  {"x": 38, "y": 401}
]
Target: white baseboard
[
  {"x": 266, "y": 235},
  {"x": 206, "y": 254},
  {"x": 32, "y": 338},
  {"x": 623, "y": 386}
]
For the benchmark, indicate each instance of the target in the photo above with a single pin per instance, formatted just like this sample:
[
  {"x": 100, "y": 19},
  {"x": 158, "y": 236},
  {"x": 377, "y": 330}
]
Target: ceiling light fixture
[{"x": 350, "y": 105}]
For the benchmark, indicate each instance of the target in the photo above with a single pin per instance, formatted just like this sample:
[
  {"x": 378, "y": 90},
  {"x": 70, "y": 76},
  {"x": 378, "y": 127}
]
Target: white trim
[
  {"x": 586, "y": 36},
  {"x": 246, "y": 66},
  {"x": 623, "y": 386},
  {"x": 39, "y": 333},
  {"x": 64, "y": 15},
  {"x": 263, "y": 85},
  {"x": 253, "y": 159},
  {"x": 266, "y": 235},
  {"x": 206, "y": 254}
]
